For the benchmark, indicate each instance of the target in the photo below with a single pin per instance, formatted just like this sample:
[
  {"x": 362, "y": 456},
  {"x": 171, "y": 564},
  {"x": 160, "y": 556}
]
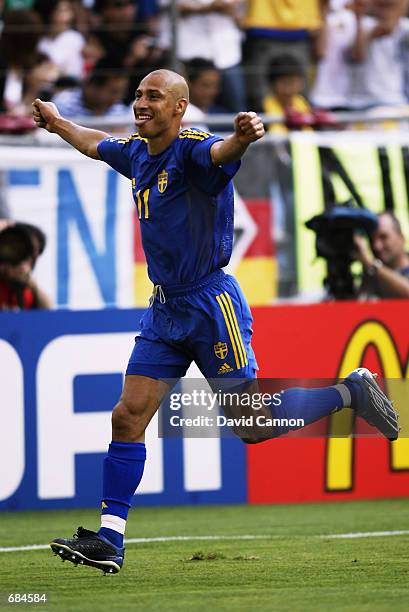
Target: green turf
[{"x": 293, "y": 570}]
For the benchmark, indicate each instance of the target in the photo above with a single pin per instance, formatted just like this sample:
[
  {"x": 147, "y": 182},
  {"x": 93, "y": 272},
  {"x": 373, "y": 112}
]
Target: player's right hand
[
  {"x": 248, "y": 127},
  {"x": 45, "y": 114}
]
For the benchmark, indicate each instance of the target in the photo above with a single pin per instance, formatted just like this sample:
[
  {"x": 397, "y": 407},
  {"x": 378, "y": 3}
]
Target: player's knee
[
  {"x": 250, "y": 437},
  {"x": 253, "y": 440},
  {"x": 128, "y": 419}
]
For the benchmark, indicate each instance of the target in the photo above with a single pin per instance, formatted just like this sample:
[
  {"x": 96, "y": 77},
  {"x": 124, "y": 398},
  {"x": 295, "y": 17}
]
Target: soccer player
[{"x": 181, "y": 184}]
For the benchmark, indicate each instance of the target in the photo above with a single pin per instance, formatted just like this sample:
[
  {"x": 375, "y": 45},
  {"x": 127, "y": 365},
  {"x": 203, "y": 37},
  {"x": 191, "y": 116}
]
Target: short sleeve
[
  {"x": 196, "y": 149},
  {"x": 196, "y": 146},
  {"x": 116, "y": 153}
]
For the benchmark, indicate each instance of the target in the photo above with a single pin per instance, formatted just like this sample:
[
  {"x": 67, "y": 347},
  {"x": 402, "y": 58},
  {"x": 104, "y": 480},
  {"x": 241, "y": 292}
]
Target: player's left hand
[{"x": 248, "y": 127}]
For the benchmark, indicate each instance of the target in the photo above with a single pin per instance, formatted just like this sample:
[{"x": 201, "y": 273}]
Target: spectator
[
  {"x": 286, "y": 81},
  {"x": 117, "y": 29},
  {"x": 62, "y": 44},
  {"x": 20, "y": 246},
  {"x": 380, "y": 51},
  {"x": 126, "y": 43},
  {"x": 386, "y": 265},
  {"x": 209, "y": 30},
  {"x": 39, "y": 81},
  {"x": 101, "y": 94},
  {"x": 84, "y": 18},
  {"x": 18, "y": 57},
  {"x": 339, "y": 34},
  {"x": 204, "y": 86},
  {"x": 275, "y": 28}
]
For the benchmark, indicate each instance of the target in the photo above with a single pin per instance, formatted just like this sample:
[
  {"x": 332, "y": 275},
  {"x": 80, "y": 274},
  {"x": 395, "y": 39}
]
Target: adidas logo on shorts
[{"x": 225, "y": 368}]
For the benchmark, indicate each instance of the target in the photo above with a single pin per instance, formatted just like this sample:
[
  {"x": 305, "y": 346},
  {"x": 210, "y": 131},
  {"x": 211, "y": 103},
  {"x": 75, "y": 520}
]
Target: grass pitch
[{"x": 292, "y": 569}]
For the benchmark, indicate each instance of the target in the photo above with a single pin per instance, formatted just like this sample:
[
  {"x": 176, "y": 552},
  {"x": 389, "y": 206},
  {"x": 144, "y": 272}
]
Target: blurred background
[{"x": 331, "y": 81}]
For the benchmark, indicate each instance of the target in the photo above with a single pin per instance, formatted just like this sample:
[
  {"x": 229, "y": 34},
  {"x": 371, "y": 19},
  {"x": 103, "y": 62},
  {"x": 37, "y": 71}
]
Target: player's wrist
[
  {"x": 242, "y": 142},
  {"x": 57, "y": 124}
]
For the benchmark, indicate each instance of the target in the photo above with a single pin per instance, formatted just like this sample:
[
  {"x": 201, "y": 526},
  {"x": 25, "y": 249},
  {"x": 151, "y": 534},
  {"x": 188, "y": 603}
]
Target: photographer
[
  {"x": 386, "y": 264},
  {"x": 20, "y": 246}
]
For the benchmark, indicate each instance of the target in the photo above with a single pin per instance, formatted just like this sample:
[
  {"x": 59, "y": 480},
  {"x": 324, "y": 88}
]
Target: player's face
[{"x": 155, "y": 107}]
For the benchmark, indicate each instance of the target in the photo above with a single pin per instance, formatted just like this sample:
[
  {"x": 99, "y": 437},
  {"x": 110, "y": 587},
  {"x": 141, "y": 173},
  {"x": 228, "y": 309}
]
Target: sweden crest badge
[
  {"x": 221, "y": 349},
  {"x": 162, "y": 181}
]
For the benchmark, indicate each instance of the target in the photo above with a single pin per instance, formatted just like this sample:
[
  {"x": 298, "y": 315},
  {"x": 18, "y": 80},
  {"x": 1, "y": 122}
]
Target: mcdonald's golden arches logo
[{"x": 340, "y": 450}]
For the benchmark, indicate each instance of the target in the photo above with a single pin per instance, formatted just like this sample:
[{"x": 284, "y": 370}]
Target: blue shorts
[{"x": 208, "y": 322}]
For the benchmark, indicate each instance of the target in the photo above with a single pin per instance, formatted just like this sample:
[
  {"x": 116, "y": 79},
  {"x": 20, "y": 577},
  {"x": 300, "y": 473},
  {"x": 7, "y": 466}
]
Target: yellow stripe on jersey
[
  {"x": 235, "y": 328},
  {"x": 132, "y": 137},
  {"x": 190, "y": 131},
  {"x": 192, "y": 136},
  {"x": 138, "y": 197},
  {"x": 229, "y": 329},
  {"x": 145, "y": 201}
]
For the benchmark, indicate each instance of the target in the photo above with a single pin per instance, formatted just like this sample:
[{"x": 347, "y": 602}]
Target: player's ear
[{"x": 181, "y": 106}]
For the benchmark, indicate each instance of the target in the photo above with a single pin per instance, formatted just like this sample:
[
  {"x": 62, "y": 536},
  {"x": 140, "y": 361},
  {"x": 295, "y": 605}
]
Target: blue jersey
[{"x": 184, "y": 204}]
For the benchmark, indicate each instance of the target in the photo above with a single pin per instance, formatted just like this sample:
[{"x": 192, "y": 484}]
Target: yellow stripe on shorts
[
  {"x": 241, "y": 343},
  {"x": 229, "y": 314},
  {"x": 229, "y": 329}
]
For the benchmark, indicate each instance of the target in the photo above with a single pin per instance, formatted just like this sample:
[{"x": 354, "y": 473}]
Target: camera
[
  {"x": 335, "y": 230},
  {"x": 20, "y": 241}
]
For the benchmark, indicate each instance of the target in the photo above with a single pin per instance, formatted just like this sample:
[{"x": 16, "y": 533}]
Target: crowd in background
[
  {"x": 300, "y": 60},
  {"x": 278, "y": 57}
]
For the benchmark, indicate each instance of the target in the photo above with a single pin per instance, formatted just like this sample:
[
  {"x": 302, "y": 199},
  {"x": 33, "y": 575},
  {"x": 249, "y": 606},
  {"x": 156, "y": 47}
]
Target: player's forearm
[
  {"x": 83, "y": 139},
  {"x": 228, "y": 150}
]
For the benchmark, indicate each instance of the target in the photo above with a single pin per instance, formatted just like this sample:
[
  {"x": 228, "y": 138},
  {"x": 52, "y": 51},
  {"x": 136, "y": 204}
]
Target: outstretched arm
[
  {"x": 248, "y": 128},
  {"x": 85, "y": 140}
]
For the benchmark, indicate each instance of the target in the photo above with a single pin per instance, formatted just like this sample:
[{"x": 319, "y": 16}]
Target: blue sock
[
  {"x": 307, "y": 404},
  {"x": 355, "y": 389},
  {"x": 122, "y": 473}
]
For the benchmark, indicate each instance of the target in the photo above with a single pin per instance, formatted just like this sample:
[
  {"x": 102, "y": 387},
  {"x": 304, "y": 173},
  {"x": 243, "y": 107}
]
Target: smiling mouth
[{"x": 143, "y": 118}]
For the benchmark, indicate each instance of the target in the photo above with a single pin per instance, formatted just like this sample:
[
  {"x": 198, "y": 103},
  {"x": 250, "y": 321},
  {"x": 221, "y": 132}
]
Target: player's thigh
[
  {"x": 153, "y": 368},
  {"x": 223, "y": 338},
  {"x": 155, "y": 354}
]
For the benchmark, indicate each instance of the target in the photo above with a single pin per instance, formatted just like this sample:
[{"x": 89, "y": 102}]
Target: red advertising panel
[{"x": 328, "y": 341}]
